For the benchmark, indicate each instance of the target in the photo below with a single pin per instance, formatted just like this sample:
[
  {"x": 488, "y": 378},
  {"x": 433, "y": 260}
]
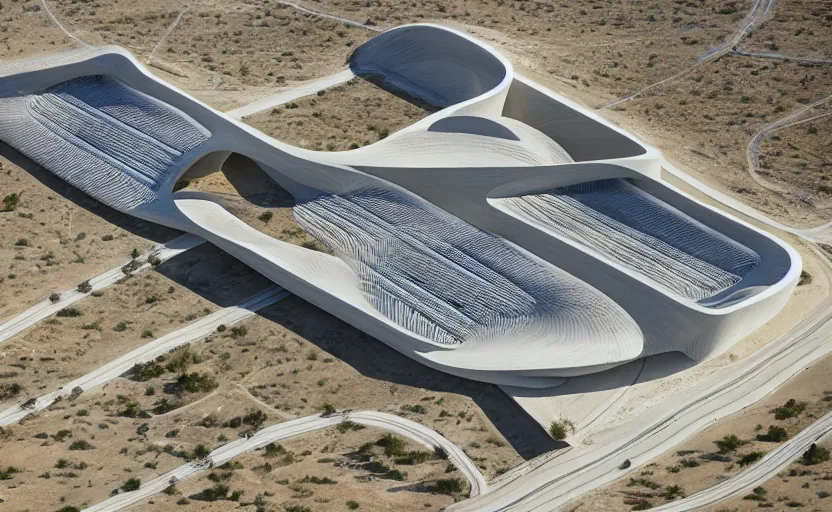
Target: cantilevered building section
[{"x": 510, "y": 236}]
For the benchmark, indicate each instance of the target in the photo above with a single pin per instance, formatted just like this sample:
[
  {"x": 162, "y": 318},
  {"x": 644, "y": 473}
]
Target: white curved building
[{"x": 509, "y": 237}]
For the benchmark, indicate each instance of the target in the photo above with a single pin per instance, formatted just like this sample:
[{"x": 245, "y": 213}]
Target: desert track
[{"x": 411, "y": 429}]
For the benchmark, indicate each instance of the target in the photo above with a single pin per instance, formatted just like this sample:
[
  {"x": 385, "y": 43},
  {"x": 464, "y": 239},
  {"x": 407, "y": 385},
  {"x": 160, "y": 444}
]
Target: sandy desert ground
[{"x": 292, "y": 358}]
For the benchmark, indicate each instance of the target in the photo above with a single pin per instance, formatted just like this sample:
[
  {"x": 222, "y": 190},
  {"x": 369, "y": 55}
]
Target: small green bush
[
  {"x": 80, "y": 445},
  {"x": 790, "y": 409},
  {"x": 775, "y": 434},
  {"x": 750, "y": 458},
  {"x": 131, "y": 484}
]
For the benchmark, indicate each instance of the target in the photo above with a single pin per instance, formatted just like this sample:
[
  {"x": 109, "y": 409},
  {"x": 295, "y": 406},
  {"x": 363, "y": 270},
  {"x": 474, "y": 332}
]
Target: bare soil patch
[
  {"x": 56, "y": 236},
  {"x": 798, "y": 156},
  {"x": 26, "y": 31},
  {"x": 706, "y": 119},
  {"x": 796, "y": 27},
  {"x": 340, "y": 118}
]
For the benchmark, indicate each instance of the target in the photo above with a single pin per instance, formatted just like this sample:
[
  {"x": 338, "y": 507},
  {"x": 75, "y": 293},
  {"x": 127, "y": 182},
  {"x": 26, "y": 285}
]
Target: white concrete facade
[{"x": 510, "y": 236}]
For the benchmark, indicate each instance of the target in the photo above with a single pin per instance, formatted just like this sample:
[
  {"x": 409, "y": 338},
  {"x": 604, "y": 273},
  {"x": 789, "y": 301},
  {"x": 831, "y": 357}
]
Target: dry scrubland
[
  {"x": 293, "y": 358},
  {"x": 341, "y": 118},
  {"x": 724, "y": 449},
  {"x": 707, "y": 119},
  {"x": 53, "y": 237},
  {"x": 798, "y": 156},
  {"x": 243, "y": 378},
  {"x": 605, "y": 47},
  {"x": 797, "y": 27},
  {"x": 121, "y": 318},
  {"x": 27, "y": 31}
]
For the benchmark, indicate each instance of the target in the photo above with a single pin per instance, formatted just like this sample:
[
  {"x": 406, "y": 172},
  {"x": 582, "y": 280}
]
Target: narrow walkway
[{"x": 283, "y": 97}]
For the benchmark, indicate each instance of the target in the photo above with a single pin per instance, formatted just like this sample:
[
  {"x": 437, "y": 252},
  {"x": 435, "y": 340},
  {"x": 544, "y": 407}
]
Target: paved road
[
  {"x": 150, "y": 351},
  {"x": 758, "y": 474},
  {"x": 282, "y": 97},
  {"x": 47, "y": 308},
  {"x": 564, "y": 476},
  {"x": 221, "y": 455}
]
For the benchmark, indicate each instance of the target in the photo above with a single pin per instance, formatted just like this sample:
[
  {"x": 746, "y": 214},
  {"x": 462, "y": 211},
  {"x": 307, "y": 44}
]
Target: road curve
[
  {"x": 757, "y": 474},
  {"x": 46, "y": 307},
  {"x": 564, "y": 476},
  {"x": 753, "y": 149},
  {"x": 149, "y": 351},
  {"x": 402, "y": 426}
]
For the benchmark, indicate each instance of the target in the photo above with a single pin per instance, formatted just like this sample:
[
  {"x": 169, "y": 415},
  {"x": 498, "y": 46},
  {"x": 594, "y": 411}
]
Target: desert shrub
[
  {"x": 10, "y": 202},
  {"x": 416, "y": 457},
  {"x": 6, "y": 474},
  {"x": 560, "y": 429},
  {"x": 348, "y": 425},
  {"x": 328, "y": 409},
  {"x": 729, "y": 443},
  {"x": 131, "y": 410},
  {"x": 393, "y": 445},
  {"x": 197, "y": 382},
  {"x": 815, "y": 455},
  {"x": 395, "y": 474},
  {"x": 54, "y": 297},
  {"x": 790, "y": 409},
  {"x": 85, "y": 287},
  {"x": 131, "y": 484},
  {"x": 449, "y": 486},
  {"x": 147, "y": 333},
  {"x": 317, "y": 480},
  {"x": 265, "y": 217},
  {"x": 69, "y": 313},
  {"x": 218, "y": 492},
  {"x": 80, "y": 445},
  {"x": 163, "y": 406},
  {"x": 146, "y": 371},
  {"x": 750, "y": 458},
  {"x": 352, "y": 505},
  {"x": 418, "y": 409},
  {"x": 201, "y": 451},
  {"x": 757, "y": 494},
  {"x": 689, "y": 463},
  {"x": 8, "y": 391},
  {"x": 775, "y": 434},
  {"x": 674, "y": 491},
  {"x": 643, "y": 482}
]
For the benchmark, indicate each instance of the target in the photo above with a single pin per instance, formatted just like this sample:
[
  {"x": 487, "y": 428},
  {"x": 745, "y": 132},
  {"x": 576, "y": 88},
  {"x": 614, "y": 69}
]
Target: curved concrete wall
[{"x": 444, "y": 268}]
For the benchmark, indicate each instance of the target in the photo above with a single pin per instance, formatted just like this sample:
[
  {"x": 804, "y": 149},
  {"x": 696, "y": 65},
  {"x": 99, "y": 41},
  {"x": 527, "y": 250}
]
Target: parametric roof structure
[{"x": 511, "y": 236}]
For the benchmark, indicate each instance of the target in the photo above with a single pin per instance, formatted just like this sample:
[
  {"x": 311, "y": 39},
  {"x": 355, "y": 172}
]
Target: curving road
[
  {"x": 47, "y": 308},
  {"x": 402, "y": 426},
  {"x": 753, "y": 150},
  {"x": 757, "y": 474},
  {"x": 150, "y": 351},
  {"x": 553, "y": 480}
]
